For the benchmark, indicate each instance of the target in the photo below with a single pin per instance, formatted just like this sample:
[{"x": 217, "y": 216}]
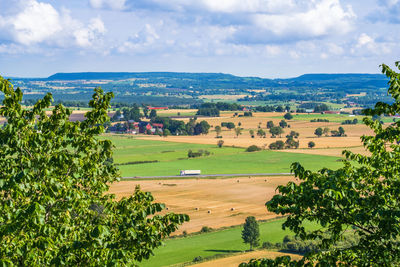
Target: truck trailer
[{"x": 190, "y": 172}]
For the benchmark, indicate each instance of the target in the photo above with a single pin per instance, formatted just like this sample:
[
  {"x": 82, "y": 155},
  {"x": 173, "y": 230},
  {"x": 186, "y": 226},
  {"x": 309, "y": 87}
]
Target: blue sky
[{"x": 266, "y": 38}]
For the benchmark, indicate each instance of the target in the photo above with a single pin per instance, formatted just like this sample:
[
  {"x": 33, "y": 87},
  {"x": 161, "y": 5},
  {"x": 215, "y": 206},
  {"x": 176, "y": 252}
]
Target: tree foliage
[
  {"x": 54, "y": 179},
  {"x": 288, "y": 116},
  {"x": 362, "y": 198},
  {"x": 251, "y": 232},
  {"x": 318, "y": 132}
]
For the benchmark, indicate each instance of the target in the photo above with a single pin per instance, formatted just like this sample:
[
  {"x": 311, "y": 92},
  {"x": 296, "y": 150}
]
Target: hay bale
[
  {"x": 238, "y": 181},
  {"x": 196, "y": 208},
  {"x": 209, "y": 211},
  {"x": 232, "y": 209}
]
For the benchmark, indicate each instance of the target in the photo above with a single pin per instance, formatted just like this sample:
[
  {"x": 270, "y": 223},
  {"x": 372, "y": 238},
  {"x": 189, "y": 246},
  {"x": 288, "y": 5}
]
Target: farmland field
[
  {"x": 172, "y": 157},
  {"x": 214, "y": 203},
  {"x": 236, "y": 259},
  {"x": 186, "y": 249}
]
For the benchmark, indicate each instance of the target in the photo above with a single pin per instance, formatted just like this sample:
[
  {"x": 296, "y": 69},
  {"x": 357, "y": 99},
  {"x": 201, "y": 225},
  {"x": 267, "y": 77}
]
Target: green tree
[
  {"x": 230, "y": 125},
  {"x": 288, "y": 116},
  {"x": 283, "y": 124},
  {"x": 166, "y": 132},
  {"x": 238, "y": 131},
  {"x": 270, "y": 124},
  {"x": 220, "y": 143},
  {"x": 251, "y": 232},
  {"x": 54, "y": 180},
  {"x": 362, "y": 197},
  {"x": 201, "y": 128},
  {"x": 251, "y": 132},
  {"x": 318, "y": 132},
  {"x": 218, "y": 130},
  {"x": 311, "y": 144},
  {"x": 276, "y": 130},
  {"x": 341, "y": 131},
  {"x": 293, "y": 134},
  {"x": 153, "y": 114},
  {"x": 261, "y": 133},
  {"x": 325, "y": 131}
]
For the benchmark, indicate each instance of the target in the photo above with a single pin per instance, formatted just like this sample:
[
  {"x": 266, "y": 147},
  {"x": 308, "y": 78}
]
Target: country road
[{"x": 209, "y": 175}]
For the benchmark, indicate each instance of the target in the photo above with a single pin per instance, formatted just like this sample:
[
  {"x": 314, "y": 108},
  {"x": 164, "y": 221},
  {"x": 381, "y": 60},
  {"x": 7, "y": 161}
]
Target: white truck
[{"x": 190, "y": 172}]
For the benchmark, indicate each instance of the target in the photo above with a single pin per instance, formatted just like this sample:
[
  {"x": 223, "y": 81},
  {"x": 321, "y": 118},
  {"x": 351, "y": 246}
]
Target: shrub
[
  {"x": 197, "y": 259},
  {"x": 253, "y": 148},
  {"x": 206, "y": 229}
]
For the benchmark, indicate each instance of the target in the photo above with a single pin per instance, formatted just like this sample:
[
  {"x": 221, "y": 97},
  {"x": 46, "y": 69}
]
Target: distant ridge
[
  {"x": 330, "y": 76},
  {"x": 128, "y": 75}
]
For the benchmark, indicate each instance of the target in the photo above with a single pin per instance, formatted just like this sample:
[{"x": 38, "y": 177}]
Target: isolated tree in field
[
  {"x": 270, "y": 124},
  {"x": 251, "y": 132},
  {"x": 261, "y": 133},
  {"x": 288, "y": 116},
  {"x": 361, "y": 198},
  {"x": 276, "y": 130},
  {"x": 341, "y": 131},
  {"x": 311, "y": 144},
  {"x": 220, "y": 143},
  {"x": 293, "y": 134},
  {"x": 218, "y": 130},
  {"x": 283, "y": 124},
  {"x": 251, "y": 232},
  {"x": 54, "y": 180},
  {"x": 318, "y": 132},
  {"x": 238, "y": 131},
  {"x": 325, "y": 131}
]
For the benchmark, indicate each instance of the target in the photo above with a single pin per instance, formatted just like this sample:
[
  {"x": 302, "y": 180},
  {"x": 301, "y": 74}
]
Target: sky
[{"x": 265, "y": 38}]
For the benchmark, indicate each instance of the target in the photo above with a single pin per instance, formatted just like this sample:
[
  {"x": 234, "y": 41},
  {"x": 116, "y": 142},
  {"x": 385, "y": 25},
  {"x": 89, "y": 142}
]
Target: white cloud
[
  {"x": 140, "y": 41},
  {"x": 323, "y": 18},
  {"x": 37, "y": 23},
  {"x": 113, "y": 4},
  {"x": 365, "y": 40},
  {"x": 272, "y": 50},
  {"x": 85, "y": 36}
]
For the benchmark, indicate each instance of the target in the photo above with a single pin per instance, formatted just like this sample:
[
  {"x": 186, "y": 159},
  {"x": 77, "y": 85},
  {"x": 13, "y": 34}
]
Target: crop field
[
  {"x": 182, "y": 250},
  {"x": 236, "y": 259},
  {"x": 172, "y": 157},
  {"x": 214, "y": 203}
]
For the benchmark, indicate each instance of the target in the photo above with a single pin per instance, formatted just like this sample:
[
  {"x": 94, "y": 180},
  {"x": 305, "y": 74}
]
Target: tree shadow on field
[{"x": 222, "y": 250}]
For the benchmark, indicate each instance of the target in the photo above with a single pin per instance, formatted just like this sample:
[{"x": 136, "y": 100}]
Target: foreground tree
[
  {"x": 361, "y": 198},
  {"x": 54, "y": 179},
  {"x": 251, "y": 232}
]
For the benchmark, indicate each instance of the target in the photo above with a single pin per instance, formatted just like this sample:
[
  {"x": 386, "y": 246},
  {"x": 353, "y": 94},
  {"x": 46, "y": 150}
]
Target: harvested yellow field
[
  {"x": 235, "y": 260},
  {"x": 210, "y": 202}
]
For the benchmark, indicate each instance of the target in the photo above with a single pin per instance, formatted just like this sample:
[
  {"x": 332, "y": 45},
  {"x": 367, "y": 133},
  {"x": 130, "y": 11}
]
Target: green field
[
  {"x": 186, "y": 249},
  {"x": 172, "y": 158},
  {"x": 331, "y": 117}
]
